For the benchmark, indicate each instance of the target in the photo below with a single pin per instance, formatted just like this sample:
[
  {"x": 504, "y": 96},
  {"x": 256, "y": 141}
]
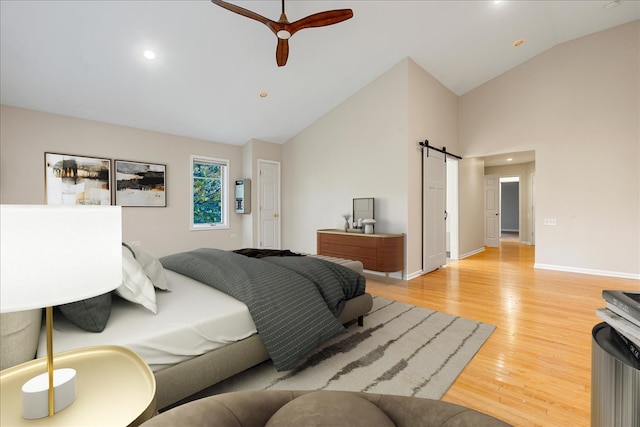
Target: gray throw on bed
[{"x": 294, "y": 301}]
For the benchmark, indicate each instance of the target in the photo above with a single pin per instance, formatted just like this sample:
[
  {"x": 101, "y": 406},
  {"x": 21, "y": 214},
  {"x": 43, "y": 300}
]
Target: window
[{"x": 209, "y": 193}]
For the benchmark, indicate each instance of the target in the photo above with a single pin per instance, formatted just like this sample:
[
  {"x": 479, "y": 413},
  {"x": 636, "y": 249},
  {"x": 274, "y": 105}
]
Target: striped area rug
[{"x": 402, "y": 349}]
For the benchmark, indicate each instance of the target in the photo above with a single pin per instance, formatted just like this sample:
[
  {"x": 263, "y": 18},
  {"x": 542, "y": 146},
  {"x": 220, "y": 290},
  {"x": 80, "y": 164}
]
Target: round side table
[{"x": 114, "y": 387}]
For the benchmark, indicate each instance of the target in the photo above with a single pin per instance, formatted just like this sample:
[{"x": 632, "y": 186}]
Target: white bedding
[{"x": 192, "y": 319}]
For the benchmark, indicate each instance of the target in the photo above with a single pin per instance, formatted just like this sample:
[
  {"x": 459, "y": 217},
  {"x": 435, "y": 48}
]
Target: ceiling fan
[{"x": 283, "y": 29}]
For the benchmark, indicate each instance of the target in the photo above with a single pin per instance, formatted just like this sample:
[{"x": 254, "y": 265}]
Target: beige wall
[
  {"x": 577, "y": 106},
  {"x": 359, "y": 149},
  {"x": 26, "y": 135},
  {"x": 433, "y": 115},
  {"x": 368, "y": 147},
  {"x": 471, "y": 200}
]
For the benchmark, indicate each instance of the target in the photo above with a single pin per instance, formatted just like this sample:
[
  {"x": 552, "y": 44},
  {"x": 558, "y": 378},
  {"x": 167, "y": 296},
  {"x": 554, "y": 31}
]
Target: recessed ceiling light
[
  {"x": 518, "y": 42},
  {"x": 509, "y": 159},
  {"x": 149, "y": 54},
  {"x": 263, "y": 94},
  {"x": 497, "y": 1}
]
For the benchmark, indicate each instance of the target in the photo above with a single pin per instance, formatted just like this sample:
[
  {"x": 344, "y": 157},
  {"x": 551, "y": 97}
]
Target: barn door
[{"x": 434, "y": 210}]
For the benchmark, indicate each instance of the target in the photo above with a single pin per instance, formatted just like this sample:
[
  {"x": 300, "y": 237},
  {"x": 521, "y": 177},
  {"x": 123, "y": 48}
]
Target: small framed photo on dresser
[{"x": 140, "y": 184}]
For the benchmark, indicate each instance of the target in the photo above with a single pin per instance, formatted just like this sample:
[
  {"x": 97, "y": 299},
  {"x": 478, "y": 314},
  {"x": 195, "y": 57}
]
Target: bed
[{"x": 200, "y": 335}]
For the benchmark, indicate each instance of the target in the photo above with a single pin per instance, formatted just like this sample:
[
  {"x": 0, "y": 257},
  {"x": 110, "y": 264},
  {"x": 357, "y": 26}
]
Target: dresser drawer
[
  {"x": 353, "y": 240},
  {"x": 377, "y": 252}
]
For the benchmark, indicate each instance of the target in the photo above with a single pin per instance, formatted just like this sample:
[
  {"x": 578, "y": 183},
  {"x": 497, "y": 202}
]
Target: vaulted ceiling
[{"x": 85, "y": 58}]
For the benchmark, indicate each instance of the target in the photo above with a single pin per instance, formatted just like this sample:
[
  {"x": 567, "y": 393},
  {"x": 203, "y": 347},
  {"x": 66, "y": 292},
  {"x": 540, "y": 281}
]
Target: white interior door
[
  {"x": 434, "y": 210},
  {"x": 269, "y": 198},
  {"x": 492, "y": 210}
]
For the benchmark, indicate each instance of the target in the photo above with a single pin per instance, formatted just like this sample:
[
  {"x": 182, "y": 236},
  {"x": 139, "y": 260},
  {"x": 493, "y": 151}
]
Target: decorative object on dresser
[
  {"x": 368, "y": 225},
  {"x": 78, "y": 254},
  {"x": 346, "y": 217},
  {"x": 363, "y": 208},
  {"x": 77, "y": 180},
  {"x": 377, "y": 252}
]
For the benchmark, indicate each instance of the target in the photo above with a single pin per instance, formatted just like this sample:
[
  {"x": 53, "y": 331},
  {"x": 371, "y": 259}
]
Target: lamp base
[{"x": 35, "y": 393}]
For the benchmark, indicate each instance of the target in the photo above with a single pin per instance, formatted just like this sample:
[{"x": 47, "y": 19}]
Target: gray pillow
[
  {"x": 152, "y": 268},
  {"x": 90, "y": 314}
]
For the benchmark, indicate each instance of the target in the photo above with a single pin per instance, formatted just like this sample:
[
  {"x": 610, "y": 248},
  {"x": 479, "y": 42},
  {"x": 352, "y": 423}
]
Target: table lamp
[{"x": 53, "y": 255}]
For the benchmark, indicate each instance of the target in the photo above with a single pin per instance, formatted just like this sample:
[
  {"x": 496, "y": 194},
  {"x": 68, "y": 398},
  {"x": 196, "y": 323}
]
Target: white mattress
[{"x": 192, "y": 319}]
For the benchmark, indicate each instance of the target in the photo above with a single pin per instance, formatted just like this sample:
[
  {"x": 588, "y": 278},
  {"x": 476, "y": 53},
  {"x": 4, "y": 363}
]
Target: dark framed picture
[
  {"x": 140, "y": 184},
  {"x": 77, "y": 180}
]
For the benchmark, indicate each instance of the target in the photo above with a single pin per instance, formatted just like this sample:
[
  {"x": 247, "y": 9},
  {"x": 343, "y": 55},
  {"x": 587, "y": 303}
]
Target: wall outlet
[
  {"x": 549, "y": 221},
  {"x": 135, "y": 243},
  {"x": 233, "y": 235}
]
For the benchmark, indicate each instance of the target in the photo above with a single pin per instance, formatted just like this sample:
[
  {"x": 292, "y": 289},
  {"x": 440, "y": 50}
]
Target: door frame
[
  {"x": 277, "y": 204},
  {"x": 512, "y": 178},
  {"x": 453, "y": 208}
]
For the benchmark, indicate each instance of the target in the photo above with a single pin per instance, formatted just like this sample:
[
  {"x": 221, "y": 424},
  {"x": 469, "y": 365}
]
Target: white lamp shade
[{"x": 52, "y": 255}]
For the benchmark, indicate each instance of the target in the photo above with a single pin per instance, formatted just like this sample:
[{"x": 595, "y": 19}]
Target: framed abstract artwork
[
  {"x": 77, "y": 180},
  {"x": 140, "y": 184}
]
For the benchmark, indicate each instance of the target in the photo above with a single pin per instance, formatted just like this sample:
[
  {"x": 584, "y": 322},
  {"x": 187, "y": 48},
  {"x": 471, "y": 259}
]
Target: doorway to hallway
[{"x": 510, "y": 208}]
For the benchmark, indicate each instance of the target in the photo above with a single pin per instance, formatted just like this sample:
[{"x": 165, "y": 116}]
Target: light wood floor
[{"x": 535, "y": 369}]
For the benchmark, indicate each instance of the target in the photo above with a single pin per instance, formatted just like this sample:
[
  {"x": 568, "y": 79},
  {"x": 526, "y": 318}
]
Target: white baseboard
[
  {"x": 414, "y": 275},
  {"x": 396, "y": 275},
  {"x": 468, "y": 254},
  {"x": 587, "y": 271}
]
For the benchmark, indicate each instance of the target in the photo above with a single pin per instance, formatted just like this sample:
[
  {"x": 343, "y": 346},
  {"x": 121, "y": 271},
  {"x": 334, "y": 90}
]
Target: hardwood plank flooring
[{"x": 535, "y": 369}]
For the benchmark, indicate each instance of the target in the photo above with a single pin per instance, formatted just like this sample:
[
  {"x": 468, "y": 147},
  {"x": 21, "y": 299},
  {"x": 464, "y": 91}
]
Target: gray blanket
[{"x": 294, "y": 301}]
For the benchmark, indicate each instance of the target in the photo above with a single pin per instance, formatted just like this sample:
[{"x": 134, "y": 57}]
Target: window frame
[{"x": 224, "y": 224}]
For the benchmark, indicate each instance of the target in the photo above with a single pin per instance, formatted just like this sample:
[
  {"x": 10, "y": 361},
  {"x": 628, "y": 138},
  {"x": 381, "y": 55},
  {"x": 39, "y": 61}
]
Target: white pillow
[
  {"x": 152, "y": 267},
  {"x": 136, "y": 286}
]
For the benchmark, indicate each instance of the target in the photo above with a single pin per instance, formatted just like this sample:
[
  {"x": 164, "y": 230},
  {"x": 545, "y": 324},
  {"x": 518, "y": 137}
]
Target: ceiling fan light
[{"x": 283, "y": 34}]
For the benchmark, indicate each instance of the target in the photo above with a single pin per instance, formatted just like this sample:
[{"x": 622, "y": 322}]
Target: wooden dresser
[{"x": 377, "y": 252}]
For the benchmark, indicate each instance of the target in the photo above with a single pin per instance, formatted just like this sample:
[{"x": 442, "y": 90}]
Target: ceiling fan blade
[
  {"x": 282, "y": 52},
  {"x": 320, "y": 19},
  {"x": 244, "y": 12},
  {"x": 283, "y": 29}
]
